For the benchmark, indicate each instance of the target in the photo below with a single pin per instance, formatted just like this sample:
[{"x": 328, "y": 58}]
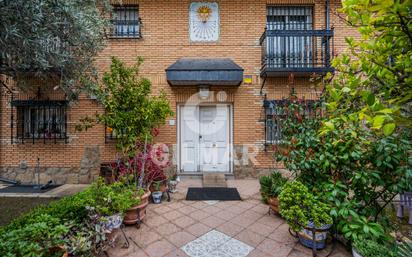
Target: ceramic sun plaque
[{"x": 204, "y": 22}]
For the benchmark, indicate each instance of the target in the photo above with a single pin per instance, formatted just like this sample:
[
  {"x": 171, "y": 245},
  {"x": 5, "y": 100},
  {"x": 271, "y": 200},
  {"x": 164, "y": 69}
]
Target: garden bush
[
  {"x": 355, "y": 171},
  {"x": 74, "y": 222}
]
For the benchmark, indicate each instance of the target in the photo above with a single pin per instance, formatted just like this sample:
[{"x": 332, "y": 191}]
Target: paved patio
[{"x": 213, "y": 229}]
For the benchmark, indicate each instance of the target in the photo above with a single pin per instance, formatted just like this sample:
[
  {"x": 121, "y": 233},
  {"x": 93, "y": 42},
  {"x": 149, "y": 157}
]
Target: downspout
[
  {"x": 327, "y": 15},
  {"x": 327, "y": 27}
]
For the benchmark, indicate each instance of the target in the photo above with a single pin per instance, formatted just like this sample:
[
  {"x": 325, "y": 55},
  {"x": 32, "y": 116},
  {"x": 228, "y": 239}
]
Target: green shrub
[
  {"x": 369, "y": 248},
  {"x": 38, "y": 238},
  {"x": 271, "y": 185},
  {"x": 298, "y": 206},
  {"x": 68, "y": 222}
]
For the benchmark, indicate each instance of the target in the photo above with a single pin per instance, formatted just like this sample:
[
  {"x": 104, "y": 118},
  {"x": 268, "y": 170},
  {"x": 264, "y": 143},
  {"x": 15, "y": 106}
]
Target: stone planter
[
  {"x": 274, "y": 204},
  {"x": 137, "y": 213},
  {"x": 306, "y": 236},
  {"x": 157, "y": 197}
]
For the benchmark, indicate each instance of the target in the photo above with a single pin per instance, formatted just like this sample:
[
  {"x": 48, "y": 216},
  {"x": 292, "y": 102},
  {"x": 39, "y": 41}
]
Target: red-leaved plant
[{"x": 155, "y": 160}]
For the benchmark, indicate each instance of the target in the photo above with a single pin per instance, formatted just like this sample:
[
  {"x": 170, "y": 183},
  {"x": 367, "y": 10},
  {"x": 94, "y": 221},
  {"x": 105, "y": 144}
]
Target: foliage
[
  {"x": 369, "y": 248},
  {"x": 87, "y": 237},
  {"x": 39, "y": 238},
  {"x": 42, "y": 37},
  {"x": 355, "y": 170},
  {"x": 299, "y": 207},
  {"x": 155, "y": 162},
  {"x": 374, "y": 81},
  {"x": 111, "y": 199},
  {"x": 74, "y": 221},
  {"x": 130, "y": 111},
  {"x": 271, "y": 185}
]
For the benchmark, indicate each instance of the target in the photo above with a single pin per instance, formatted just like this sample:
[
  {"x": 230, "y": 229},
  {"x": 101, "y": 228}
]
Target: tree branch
[{"x": 404, "y": 27}]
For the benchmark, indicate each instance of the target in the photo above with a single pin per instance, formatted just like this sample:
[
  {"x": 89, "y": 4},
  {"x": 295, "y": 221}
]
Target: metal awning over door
[{"x": 212, "y": 72}]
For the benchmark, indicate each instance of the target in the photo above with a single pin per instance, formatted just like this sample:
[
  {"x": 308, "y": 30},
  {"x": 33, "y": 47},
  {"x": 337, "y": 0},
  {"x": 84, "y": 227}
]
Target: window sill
[{"x": 125, "y": 37}]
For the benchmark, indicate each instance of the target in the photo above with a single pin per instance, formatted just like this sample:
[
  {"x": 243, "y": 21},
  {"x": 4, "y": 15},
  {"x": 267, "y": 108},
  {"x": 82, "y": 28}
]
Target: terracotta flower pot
[
  {"x": 274, "y": 204},
  {"x": 163, "y": 186},
  {"x": 137, "y": 213},
  {"x": 59, "y": 249}
]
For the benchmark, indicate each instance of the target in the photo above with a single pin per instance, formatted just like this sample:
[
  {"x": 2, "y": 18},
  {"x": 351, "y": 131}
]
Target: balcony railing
[{"x": 302, "y": 52}]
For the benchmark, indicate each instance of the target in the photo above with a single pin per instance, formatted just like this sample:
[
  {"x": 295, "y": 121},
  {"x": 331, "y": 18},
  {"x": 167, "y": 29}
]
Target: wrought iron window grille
[
  {"x": 39, "y": 120},
  {"x": 276, "y": 111},
  {"x": 126, "y": 22},
  {"x": 290, "y": 44}
]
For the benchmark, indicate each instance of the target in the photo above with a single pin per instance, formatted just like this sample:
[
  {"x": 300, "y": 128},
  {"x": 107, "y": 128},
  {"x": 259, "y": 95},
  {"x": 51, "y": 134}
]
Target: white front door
[{"x": 204, "y": 138}]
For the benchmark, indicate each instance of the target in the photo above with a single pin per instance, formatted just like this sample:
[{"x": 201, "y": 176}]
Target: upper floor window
[
  {"x": 126, "y": 22},
  {"x": 289, "y": 17}
]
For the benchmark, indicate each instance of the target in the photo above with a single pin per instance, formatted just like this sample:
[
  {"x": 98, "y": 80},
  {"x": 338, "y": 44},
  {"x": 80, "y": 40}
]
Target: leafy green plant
[
  {"x": 157, "y": 185},
  {"x": 74, "y": 222},
  {"x": 34, "y": 41},
  {"x": 130, "y": 109},
  {"x": 271, "y": 185},
  {"x": 356, "y": 171},
  {"x": 369, "y": 248},
  {"x": 40, "y": 238},
  {"x": 111, "y": 199},
  {"x": 299, "y": 207}
]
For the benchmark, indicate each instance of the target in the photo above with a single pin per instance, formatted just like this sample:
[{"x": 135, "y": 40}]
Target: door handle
[{"x": 200, "y": 136}]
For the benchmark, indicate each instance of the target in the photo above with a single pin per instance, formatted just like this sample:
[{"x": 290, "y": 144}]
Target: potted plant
[
  {"x": 173, "y": 180},
  {"x": 157, "y": 194},
  {"x": 304, "y": 214},
  {"x": 132, "y": 216},
  {"x": 270, "y": 188},
  {"x": 369, "y": 248},
  {"x": 110, "y": 202}
]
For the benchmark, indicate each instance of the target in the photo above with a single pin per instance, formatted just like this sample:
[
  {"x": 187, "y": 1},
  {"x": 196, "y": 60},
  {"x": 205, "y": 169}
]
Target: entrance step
[{"x": 214, "y": 180}]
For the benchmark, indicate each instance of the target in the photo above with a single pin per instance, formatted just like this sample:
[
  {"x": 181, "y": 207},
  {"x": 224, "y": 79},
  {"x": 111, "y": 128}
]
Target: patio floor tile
[
  {"x": 274, "y": 248},
  {"x": 173, "y": 215},
  {"x": 215, "y": 243},
  {"x": 214, "y": 229},
  {"x": 229, "y": 229},
  {"x": 181, "y": 238},
  {"x": 261, "y": 229},
  {"x": 198, "y": 229},
  {"x": 167, "y": 229},
  {"x": 199, "y": 215},
  {"x": 184, "y": 221},
  {"x": 159, "y": 248},
  {"x": 212, "y": 221},
  {"x": 155, "y": 221},
  {"x": 282, "y": 235},
  {"x": 250, "y": 237}
]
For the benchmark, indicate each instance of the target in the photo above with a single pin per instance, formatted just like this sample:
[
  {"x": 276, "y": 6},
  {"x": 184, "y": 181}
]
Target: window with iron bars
[
  {"x": 126, "y": 22},
  {"x": 277, "y": 110},
  {"x": 293, "y": 50},
  {"x": 39, "y": 120}
]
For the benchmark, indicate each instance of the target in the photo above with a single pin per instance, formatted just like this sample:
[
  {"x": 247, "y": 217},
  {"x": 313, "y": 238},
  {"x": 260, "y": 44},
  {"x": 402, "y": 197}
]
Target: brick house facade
[{"x": 166, "y": 37}]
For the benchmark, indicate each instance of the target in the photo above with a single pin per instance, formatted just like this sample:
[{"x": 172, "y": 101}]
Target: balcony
[{"x": 301, "y": 52}]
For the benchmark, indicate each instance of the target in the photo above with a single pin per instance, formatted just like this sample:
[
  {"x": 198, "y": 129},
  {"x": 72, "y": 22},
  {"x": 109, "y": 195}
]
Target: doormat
[
  {"x": 212, "y": 193},
  {"x": 26, "y": 189}
]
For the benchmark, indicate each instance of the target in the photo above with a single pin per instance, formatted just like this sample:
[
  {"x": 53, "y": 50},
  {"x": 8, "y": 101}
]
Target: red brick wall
[{"x": 165, "y": 38}]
